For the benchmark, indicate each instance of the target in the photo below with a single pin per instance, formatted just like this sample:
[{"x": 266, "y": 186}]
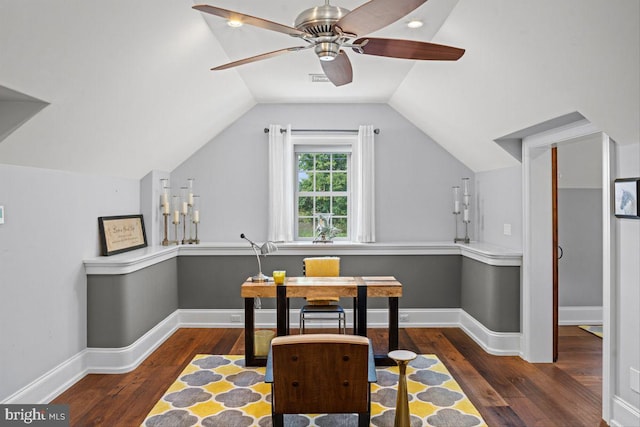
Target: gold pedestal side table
[{"x": 402, "y": 358}]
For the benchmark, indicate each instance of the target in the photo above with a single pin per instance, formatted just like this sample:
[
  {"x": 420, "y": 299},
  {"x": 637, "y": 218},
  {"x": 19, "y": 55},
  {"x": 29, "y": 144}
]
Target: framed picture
[
  {"x": 121, "y": 233},
  {"x": 626, "y": 197}
]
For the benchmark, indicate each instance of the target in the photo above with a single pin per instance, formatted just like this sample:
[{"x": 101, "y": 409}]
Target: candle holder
[
  {"x": 175, "y": 218},
  {"x": 195, "y": 218},
  {"x": 466, "y": 204},
  {"x": 166, "y": 212},
  {"x": 184, "y": 208}
]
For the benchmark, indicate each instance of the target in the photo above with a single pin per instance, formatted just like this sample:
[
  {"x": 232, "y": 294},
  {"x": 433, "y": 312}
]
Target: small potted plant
[{"x": 325, "y": 231}]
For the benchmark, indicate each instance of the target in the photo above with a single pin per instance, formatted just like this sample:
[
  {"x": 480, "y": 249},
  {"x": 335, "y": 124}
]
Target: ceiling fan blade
[
  {"x": 339, "y": 70},
  {"x": 250, "y": 20},
  {"x": 407, "y": 49},
  {"x": 257, "y": 58},
  {"x": 376, "y": 14}
]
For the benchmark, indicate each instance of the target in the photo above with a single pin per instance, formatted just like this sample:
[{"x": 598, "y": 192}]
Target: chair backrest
[
  {"x": 320, "y": 373},
  {"x": 322, "y": 266}
]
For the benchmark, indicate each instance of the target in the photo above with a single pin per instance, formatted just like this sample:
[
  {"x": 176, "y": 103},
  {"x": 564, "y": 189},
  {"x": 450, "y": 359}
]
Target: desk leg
[
  {"x": 361, "y": 311},
  {"x": 385, "y": 360},
  {"x": 249, "y": 332},
  {"x": 282, "y": 310},
  {"x": 355, "y": 315},
  {"x": 393, "y": 323}
]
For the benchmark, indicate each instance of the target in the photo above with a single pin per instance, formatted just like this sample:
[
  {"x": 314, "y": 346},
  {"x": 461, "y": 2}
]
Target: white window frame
[{"x": 320, "y": 143}]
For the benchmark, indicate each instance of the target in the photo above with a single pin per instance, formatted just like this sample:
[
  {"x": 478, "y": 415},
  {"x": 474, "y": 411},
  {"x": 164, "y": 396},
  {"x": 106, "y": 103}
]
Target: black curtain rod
[{"x": 376, "y": 131}]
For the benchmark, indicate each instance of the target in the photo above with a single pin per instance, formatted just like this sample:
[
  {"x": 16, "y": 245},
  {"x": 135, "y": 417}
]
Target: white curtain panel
[
  {"x": 280, "y": 227},
  {"x": 364, "y": 186}
]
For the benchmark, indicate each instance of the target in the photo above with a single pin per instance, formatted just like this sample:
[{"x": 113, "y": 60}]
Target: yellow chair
[
  {"x": 320, "y": 374},
  {"x": 319, "y": 308}
]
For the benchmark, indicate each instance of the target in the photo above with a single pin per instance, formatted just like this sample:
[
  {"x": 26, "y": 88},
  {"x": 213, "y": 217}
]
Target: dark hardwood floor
[{"x": 506, "y": 390}]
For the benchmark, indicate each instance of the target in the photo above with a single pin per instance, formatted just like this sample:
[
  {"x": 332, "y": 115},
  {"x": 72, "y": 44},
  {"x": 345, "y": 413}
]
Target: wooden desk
[{"x": 359, "y": 288}]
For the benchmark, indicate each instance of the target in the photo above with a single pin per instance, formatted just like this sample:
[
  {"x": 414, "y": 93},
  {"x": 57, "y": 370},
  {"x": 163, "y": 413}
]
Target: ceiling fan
[{"x": 328, "y": 29}]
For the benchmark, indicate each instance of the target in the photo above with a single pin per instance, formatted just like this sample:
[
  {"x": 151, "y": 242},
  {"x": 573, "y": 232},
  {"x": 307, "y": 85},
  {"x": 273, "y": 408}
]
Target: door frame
[{"x": 537, "y": 280}]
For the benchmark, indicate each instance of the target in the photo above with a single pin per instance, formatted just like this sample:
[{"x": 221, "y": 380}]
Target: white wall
[
  {"x": 414, "y": 175},
  {"x": 50, "y": 226},
  {"x": 499, "y": 202},
  {"x": 128, "y": 83},
  {"x": 628, "y": 284}
]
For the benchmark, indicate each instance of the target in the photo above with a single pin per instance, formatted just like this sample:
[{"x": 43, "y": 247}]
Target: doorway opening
[{"x": 537, "y": 272}]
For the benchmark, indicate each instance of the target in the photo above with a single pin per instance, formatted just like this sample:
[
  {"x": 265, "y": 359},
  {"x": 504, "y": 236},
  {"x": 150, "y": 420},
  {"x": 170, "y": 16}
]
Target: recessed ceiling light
[
  {"x": 234, "y": 23},
  {"x": 415, "y": 23}
]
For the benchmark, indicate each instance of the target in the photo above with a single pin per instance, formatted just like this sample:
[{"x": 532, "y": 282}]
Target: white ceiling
[
  {"x": 286, "y": 78},
  {"x": 129, "y": 87}
]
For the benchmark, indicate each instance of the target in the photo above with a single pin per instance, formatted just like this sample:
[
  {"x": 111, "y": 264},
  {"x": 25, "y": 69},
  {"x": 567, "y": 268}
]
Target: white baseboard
[
  {"x": 126, "y": 359},
  {"x": 45, "y": 388},
  {"x": 580, "y": 315},
  {"x": 497, "y": 343},
  {"x": 94, "y": 361},
  {"x": 623, "y": 414}
]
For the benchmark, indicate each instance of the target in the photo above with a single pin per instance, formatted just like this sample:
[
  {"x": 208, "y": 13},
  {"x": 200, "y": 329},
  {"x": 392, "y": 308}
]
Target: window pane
[
  {"x": 305, "y": 206},
  {"x": 305, "y": 227},
  {"x": 323, "y": 205},
  {"x": 305, "y": 161},
  {"x": 339, "y": 162},
  {"x": 323, "y": 181},
  {"x": 339, "y": 181},
  {"x": 305, "y": 181},
  {"x": 340, "y": 205},
  {"x": 341, "y": 224},
  {"x": 322, "y": 187},
  {"x": 323, "y": 162}
]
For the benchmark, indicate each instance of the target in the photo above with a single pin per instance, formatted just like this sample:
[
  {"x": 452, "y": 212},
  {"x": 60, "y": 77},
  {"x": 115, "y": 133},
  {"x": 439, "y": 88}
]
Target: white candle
[
  {"x": 164, "y": 200},
  {"x": 176, "y": 217},
  {"x": 196, "y": 216},
  {"x": 190, "y": 199},
  {"x": 185, "y": 208},
  {"x": 466, "y": 215},
  {"x": 456, "y": 199},
  {"x": 165, "y": 208}
]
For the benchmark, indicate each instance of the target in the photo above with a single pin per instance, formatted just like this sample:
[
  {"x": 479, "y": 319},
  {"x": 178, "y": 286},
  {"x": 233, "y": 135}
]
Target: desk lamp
[{"x": 265, "y": 249}]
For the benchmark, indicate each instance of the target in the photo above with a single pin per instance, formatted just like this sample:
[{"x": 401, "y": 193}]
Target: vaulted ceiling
[{"x": 129, "y": 90}]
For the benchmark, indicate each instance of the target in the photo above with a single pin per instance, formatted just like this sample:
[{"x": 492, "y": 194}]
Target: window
[
  {"x": 322, "y": 188},
  {"x": 318, "y": 174}
]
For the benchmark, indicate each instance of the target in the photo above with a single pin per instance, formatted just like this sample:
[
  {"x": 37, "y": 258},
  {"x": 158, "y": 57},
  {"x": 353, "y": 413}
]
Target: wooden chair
[
  {"x": 319, "y": 308},
  {"x": 320, "y": 374}
]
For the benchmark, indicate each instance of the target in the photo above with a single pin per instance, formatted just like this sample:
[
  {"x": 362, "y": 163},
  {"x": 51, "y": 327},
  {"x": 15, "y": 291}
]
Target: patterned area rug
[
  {"x": 595, "y": 330},
  {"x": 219, "y": 391}
]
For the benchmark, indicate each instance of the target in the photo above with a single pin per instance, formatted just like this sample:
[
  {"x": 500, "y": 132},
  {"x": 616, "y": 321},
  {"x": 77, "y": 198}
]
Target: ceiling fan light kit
[{"x": 328, "y": 29}]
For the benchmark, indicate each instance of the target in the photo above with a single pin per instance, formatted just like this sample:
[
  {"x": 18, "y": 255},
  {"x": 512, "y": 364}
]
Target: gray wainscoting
[
  {"x": 429, "y": 281},
  {"x": 491, "y": 295},
  {"x": 123, "y": 307}
]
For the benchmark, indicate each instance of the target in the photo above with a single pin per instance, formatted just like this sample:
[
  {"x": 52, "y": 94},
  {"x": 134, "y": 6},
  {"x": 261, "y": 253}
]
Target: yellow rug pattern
[
  {"x": 594, "y": 329},
  {"x": 219, "y": 391}
]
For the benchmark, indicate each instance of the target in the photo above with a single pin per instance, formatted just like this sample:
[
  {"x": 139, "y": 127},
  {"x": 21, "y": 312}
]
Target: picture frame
[
  {"x": 625, "y": 199},
  {"x": 121, "y": 234}
]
